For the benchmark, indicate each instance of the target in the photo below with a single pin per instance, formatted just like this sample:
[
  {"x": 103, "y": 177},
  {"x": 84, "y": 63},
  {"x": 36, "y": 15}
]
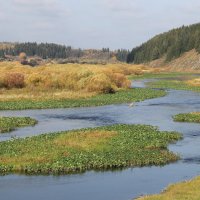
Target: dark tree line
[
  {"x": 170, "y": 44},
  {"x": 55, "y": 51},
  {"x": 43, "y": 50},
  {"x": 122, "y": 55}
]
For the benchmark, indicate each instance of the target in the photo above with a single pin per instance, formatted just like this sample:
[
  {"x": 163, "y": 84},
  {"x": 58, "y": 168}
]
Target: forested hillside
[{"x": 169, "y": 45}]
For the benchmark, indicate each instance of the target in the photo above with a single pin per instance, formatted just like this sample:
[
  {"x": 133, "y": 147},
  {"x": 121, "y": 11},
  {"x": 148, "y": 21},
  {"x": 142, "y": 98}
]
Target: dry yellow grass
[
  {"x": 182, "y": 191},
  {"x": 86, "y": 140},
  {"x": 81, "y": 140},
  {"x": 66, "y": 81},
  {"x": 194, "y": 82}
]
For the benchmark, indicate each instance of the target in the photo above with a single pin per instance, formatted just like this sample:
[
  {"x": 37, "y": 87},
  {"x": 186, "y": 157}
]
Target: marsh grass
[
  {"x": 71, "y": 77},
  {"x": 8, "y": 124},
  {"x": 188, "y": 190},
  {"x": 122, "y": 96},
  {"x": 67, "y": 85},
  {"x": 103, "y": 148}
]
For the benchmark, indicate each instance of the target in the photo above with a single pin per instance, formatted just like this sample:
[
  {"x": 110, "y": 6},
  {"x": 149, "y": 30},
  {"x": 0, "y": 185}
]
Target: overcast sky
[{"x": 93, "y": 23}]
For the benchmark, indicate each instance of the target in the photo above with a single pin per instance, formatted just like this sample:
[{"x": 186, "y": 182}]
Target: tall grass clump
[{"x": 13, "y": 80}]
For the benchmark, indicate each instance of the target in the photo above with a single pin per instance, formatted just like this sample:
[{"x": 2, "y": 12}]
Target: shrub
[
  {"x": 14, "y": 80},
  {"x": 22, "y": 58},
  {"x": 121, "y": 81},
  {"x": 33, "y": 63},
  {"x": 100, "y": 83}
]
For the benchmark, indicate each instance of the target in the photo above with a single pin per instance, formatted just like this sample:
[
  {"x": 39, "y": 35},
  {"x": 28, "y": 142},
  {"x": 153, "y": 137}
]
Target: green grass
[
  {"x": 172, "y": 84},
  {"x": 8, "y": 124},
  {"x": 160, "y": 75},
  {"x": 103, "y": 148},
  {"x": 188, "y": 190},
  {"x": 188, "y": 117},
  {"x": 124, "y": 96}
]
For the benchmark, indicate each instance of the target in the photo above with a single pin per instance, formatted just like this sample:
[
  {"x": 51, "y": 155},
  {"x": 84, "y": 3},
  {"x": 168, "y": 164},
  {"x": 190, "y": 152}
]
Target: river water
[{"x": 111, "y": 185}]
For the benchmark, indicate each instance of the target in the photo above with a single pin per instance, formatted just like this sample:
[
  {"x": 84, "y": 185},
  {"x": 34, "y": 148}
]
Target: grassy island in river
[{"x": 101, "y": 148}]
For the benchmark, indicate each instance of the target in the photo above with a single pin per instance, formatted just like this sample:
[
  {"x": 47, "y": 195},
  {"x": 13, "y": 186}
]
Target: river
[{"x": 110, "y": 185}]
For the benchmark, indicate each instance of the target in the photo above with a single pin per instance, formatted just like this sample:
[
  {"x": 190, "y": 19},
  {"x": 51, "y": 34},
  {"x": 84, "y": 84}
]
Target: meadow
[
  {"x": 103, "y": 148},
  {"x": 8, "y": 124}
]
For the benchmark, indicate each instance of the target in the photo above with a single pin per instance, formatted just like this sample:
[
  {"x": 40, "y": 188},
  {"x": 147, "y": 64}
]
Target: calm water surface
[{"x": 118, "y": 185}]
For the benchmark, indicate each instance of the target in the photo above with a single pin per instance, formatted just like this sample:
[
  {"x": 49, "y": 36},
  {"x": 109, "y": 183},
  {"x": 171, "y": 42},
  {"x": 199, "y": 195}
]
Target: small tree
[{"x": 22, "y": 58}]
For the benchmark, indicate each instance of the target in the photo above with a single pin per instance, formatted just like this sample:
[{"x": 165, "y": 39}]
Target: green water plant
[
  {"x": 110, "y": 147},
  {"x": 123, "y": 96},
  {"x": 188, "y": 117},
  {"x": 8, "y": 124}
]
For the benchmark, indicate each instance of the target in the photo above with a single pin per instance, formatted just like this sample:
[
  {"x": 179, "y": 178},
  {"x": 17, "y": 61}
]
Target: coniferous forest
[
  {"x": 171, "y": 44},
  {"x": 43, "y": 50},
  {"x": 54, "y": 51}
]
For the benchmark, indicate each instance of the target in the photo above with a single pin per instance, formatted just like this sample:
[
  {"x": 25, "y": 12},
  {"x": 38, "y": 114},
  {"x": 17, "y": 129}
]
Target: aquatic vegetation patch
[
  {"x": 8, "y": 124},
  {"x": 102, "y": 148},
  {"x": 181, "y": 191},
  {"x": 188, "y": 117},
  {"x": 122, "y": 96}
]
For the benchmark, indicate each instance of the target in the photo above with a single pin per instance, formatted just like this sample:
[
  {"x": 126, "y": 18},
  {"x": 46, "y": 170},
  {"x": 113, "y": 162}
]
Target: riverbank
[
  {"x": 174, "y": 84},
  {"x": 180, "y": 191},
  {"x": 123, "y": 96}
]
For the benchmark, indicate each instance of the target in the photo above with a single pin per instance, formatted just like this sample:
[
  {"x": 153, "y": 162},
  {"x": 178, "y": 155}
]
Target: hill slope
[{"x": 168, "y": 46}]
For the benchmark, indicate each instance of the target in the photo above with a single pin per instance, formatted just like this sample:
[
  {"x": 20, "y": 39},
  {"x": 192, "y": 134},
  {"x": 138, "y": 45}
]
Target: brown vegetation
[
  {"x": 63, "y": 81},
  {"x": 13, "y": 80},
  {"x": 189, "y": 61}
]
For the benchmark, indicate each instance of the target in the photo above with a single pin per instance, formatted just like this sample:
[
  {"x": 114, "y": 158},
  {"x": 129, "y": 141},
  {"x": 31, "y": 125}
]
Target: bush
[
  {"x": 22, "y": 58},
  {"x": 14, "y": 80},
  {"x": 100, "y": 83},
  {"x": 33, "y": 63}
]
